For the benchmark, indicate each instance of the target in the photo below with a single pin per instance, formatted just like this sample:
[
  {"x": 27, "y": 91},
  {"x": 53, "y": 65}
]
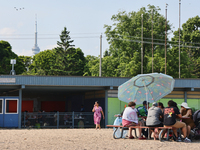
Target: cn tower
[{"x": 35, "y": 48}]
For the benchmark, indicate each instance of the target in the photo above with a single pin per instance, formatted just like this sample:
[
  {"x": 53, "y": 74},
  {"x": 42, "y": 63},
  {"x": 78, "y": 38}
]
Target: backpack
[{"x": 196, "y": 118}]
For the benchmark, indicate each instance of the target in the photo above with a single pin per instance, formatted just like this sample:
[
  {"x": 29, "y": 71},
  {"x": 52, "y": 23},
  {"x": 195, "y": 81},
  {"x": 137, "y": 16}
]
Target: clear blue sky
[{"x": 84, "y": 19}]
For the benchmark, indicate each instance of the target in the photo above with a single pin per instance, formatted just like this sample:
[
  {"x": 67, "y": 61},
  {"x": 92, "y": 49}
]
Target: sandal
[
  {"x": 142, "y": 138},
  {"x": 132, "y": 137}
]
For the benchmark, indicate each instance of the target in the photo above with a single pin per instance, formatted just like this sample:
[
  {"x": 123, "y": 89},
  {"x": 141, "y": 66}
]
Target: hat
[
  {"x": 184, "y": 104},
  {"x": 145, "y": 102},
  {"x": 155, "y": 104}
]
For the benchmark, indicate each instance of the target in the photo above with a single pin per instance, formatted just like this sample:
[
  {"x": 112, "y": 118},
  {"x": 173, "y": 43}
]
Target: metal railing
[{"x": 58, "y": 120}]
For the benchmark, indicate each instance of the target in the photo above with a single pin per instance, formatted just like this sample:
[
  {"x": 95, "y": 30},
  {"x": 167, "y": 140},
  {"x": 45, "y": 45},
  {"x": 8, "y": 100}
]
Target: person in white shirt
[{"x": 130, "y": 118}]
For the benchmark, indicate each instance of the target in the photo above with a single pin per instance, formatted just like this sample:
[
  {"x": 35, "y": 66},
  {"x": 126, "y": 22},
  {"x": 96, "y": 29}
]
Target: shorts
[
  {"x": 157, "y": 125},
  {"x": 127, "y": 123},
  {"x": 177, "y": 125}
]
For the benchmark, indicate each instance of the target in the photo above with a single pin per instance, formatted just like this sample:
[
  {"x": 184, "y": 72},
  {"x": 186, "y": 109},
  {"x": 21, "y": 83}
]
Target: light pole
[
  {"x": 100, "y": 55},
  {"x": 12, "y": 62},
  {"x": 166, "y": 39},
  {"x": 152, "y": 39},
  {"x": 179, "y": 39},
  {"x": 142, "y": 47}
]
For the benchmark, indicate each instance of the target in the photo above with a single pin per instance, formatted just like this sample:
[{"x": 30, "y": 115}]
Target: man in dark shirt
[{"x": 170, "y": 114}]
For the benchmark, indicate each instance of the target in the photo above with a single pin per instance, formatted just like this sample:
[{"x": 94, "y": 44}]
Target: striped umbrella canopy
[{"x": 150, "y": 87}]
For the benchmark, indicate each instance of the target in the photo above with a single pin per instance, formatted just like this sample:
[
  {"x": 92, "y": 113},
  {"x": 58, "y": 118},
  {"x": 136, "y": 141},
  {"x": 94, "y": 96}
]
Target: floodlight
[{"x": 12, "y": 62}]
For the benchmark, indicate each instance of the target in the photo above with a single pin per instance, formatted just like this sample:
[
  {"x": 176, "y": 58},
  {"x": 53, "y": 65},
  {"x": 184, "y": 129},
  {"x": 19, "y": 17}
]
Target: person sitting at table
[
  {"x": 170, "y": 114},
  {"x": 55, "y": 118},
  {"x": 175, "y": 105},
  {"x": 27, "y": 121},
  {"x": 161, "y": 106},
  {"x": 153, "y": 118},
  {"x": 66, "y": 118},
  {"x": 142, "y": 114},
  {"x": 130, "y": 118},
  {"x": 187, "y": 112},
  {"x": 82, "y": 108},
  {"x": 142, "y": 110},
  {"x": 40, "y": 117}
]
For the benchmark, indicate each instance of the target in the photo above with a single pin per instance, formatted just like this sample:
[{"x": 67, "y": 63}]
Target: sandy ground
[{"x": 80, "y": 139}]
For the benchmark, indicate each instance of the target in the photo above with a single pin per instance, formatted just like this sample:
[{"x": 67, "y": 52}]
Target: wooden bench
[
  {"x": 122, "y": 130},
  {"x": 152, "y": 128},
  {"x": 146, "y": 127}
]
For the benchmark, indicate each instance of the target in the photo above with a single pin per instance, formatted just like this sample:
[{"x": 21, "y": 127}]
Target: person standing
[{"x": 97, "y": 114}]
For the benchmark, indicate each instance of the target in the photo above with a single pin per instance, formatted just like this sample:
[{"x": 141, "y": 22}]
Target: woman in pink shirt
[{"x": 97, "y": 114}]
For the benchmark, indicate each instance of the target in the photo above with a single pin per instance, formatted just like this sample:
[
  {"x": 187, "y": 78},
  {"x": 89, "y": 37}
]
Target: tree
[
  {"x": 43, "y": 63},
  {"x": 106, "y": 53},
  {"x": 190, "y": 55},
  {"x": 62, "y": 60},
  {"x": 6, "y": 56},
  {"x": 91, "y": 66},
  {"x": 26, "y": 60},
  {"x": 75, "y": 62},
  {"x": 124, "y": 37},
  {"x": 70, "y": 59},
  {"x": 65, "y": 43}
]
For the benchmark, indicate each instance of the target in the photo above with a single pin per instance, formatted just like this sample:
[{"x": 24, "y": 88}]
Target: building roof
[{"x": 6, "y": 81}]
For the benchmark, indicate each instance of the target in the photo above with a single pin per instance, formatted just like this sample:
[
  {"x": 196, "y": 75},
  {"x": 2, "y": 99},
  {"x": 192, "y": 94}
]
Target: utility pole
[
  {"x": 152, "y": 39},
  {"x": 179, "y": 39},
  {"x": 100, "y": 55},
  {"x": 166, "y": 39},
  {"x": 142, "y": 48}
]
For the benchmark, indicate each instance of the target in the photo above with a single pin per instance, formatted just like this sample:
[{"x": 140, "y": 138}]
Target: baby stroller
[
  {"x": 195, "y": 133},
  {"x": 117, "y": 133}
]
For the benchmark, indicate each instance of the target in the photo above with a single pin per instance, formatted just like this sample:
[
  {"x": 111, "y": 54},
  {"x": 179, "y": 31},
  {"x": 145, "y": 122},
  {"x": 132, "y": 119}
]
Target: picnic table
[{"x": 165, "y": 129}]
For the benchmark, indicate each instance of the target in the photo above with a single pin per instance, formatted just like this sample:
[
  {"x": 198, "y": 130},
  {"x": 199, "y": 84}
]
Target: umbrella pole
[{"x": 146, "y": 94}]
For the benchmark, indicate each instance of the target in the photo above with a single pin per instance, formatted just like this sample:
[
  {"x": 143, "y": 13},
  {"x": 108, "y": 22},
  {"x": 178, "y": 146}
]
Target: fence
[{"x": 58, "y": 120}]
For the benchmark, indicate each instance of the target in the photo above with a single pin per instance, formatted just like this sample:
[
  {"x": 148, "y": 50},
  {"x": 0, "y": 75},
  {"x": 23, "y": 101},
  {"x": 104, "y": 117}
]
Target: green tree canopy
[
  {"x": 71, "y": 58},
  {"x": 43, "y": 63},
  {"x": 62, "y": 60},
  {"x": 190, "y": 55},
  {"x": 124, "y": 37},
  {"x": 26, "y": 60},
  {"x": 92, "y": 66},
  {"x": 6, "y": 54},
  {"x": 65, "y": 42}
]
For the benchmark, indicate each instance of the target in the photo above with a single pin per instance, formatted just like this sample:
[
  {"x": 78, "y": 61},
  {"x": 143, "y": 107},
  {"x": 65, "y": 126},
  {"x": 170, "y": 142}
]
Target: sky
[{"x": 85, "y": 19}]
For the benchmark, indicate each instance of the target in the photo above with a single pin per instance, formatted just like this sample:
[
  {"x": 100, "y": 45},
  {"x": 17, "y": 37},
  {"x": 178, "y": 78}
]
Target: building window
[{"x": 11, "y": 106}]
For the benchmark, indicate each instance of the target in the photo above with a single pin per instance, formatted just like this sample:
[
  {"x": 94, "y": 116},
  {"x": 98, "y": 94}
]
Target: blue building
[{"x": 67, "y": 94}]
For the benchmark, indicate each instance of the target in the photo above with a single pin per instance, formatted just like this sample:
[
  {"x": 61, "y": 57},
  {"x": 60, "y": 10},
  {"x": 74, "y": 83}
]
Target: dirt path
[{"x": 80, "y": 139}]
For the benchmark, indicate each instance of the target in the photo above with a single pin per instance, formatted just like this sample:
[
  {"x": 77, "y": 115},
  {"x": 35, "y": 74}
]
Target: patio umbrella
[{"x": 149, "y": 87}]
